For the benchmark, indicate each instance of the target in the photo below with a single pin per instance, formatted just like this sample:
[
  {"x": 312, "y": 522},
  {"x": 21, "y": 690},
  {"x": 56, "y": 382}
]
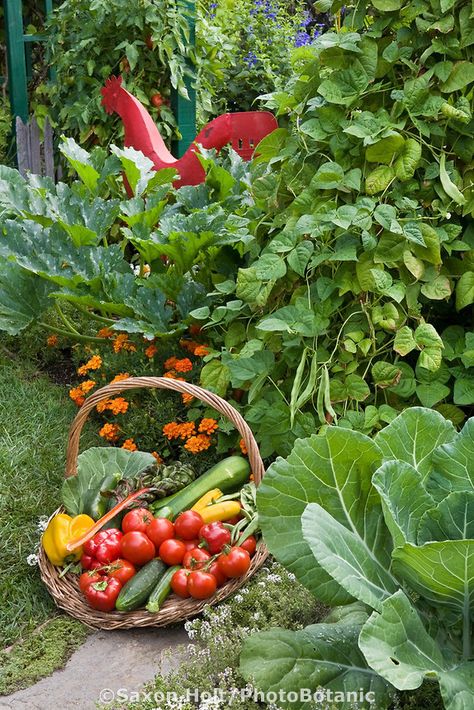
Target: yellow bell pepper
[
  {"x": 61, "y": 530},
  {"x": 207, "y": 499},
  {"x": 220, "y": 511}
]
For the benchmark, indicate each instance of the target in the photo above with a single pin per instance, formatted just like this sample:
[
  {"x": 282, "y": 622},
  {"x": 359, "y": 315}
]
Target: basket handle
[{"x": 164, "y": 383}]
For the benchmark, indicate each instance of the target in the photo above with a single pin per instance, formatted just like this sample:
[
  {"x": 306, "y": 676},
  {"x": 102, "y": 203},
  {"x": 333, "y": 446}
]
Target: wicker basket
[{"x": 65, "y": 590}]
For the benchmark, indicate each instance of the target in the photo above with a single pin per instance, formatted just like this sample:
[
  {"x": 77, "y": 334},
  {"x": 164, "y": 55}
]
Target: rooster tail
[{"x": 110, "y": 93}]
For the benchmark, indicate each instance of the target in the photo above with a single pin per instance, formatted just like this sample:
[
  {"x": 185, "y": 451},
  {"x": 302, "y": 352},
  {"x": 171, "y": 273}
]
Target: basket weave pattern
[{"x": 65, "y": 590}]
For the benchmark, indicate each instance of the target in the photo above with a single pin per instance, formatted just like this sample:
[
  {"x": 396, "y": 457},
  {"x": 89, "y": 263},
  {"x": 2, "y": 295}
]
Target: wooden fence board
[{"x": 34, "y": 155}]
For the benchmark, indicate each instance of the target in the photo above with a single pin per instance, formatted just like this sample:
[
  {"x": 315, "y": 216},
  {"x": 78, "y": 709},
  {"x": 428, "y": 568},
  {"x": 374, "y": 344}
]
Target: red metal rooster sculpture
[{"x": 242, "y": 130}]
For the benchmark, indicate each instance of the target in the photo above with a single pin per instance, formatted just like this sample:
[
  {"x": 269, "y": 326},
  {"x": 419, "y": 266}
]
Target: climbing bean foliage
[{"x": 359, "y": 299}]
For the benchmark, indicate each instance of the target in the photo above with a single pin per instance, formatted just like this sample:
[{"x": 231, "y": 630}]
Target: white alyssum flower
[
  {"x": 32, "y": 560},
  {"x": 42, "y": 523}
]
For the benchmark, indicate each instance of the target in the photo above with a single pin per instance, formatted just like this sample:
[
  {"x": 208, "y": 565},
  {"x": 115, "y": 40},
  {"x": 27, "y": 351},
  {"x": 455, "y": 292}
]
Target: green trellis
[{"x": 18, "y": 41}]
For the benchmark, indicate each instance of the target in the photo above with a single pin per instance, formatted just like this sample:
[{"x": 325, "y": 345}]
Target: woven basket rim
[{"x": 65, "y": 590}]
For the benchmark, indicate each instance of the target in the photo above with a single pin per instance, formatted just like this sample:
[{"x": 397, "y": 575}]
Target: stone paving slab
[{"x": 107, "y": 661}]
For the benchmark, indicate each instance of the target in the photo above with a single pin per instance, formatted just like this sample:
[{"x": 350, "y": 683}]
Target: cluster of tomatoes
[{"x": 204, "y": 551}]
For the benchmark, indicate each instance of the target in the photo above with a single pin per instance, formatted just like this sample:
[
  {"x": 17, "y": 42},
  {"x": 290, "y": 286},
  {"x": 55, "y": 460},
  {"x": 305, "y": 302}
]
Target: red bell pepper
[
  {"x": 103, "y": 595},
  {"x": 214, "y": 536}
]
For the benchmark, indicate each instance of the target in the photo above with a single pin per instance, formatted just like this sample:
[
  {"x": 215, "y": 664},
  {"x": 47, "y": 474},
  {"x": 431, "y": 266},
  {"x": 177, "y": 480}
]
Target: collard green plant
[{"x": 385, "y": 527}]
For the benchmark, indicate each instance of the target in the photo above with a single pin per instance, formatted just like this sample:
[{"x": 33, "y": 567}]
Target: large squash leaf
[{"x": 23, "y": 297}]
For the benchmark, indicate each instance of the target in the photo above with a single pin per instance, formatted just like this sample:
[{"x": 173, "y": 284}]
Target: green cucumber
[
  {"x": 228, "y": 475},
  {"x": 136, "y": 591},
  {"x": 161, "y": 591}
]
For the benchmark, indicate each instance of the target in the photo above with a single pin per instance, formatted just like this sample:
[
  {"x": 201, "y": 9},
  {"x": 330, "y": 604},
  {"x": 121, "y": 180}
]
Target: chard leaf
[
  {"x": 413, "y": 436},
  {"x": 452, "y": 519},
  {"x": 345, "y": 555},
  {"x": 319, "y": 656},
  {"x": 334, "y": 470},
  {"x": 404, "y": 499},
  {"x": 396, "y": 644},
  {"x": 441, "y": 572}
]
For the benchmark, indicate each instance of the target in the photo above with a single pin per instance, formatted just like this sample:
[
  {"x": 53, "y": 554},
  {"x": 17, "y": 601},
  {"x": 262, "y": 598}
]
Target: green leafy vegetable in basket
[
  {"x": 162, "y": 479},
  {"x": 99, "y": 470}
]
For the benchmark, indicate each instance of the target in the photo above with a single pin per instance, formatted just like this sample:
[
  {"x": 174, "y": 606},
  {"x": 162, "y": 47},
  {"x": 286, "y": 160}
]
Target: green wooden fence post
[
  {"x": 18, "y": 88},
  {"x": 184, "y": 109}
]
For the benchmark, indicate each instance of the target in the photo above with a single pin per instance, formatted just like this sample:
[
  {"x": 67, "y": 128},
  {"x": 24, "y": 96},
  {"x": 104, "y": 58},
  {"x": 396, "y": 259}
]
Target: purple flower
[
  {"x": 251, "y": 59},
  {"x": 302, "y": 38},
  {"x": 306, "y": 19}
]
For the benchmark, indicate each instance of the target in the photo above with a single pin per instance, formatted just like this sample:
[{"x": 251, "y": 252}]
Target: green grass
[
  {"x": 40, "y": 654},
  {"x": 34, "y": 419}
]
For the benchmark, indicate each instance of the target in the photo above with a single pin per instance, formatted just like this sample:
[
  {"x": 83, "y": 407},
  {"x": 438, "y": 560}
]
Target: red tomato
[
  {"x": 172, "y": 552},
  {"x": 201, "y": 585},
  {"x": 159, "y": 530},
  {"x": 188, "y": 524},
  {"x": 138, "y": 519},
  {"x": 123, "y": 570},
  {"x": 235, "y": 563},
  {"x": 191, "y": 544},
  {"x": 103, "y": 594},
  {"x": 179, "y": 583},
  {"x": 87, "y": 578},
  {"x": 250, "y": 544},
  {"x": 214, "y": 569},
  {"x": 137, "y": 548},
  {"x": 156, "y": 100},
  {"x": 196, "y": 558}
]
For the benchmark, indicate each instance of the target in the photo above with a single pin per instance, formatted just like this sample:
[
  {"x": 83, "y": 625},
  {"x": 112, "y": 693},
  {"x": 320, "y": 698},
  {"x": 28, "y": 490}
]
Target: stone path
[{"x": 105, "y": 663}]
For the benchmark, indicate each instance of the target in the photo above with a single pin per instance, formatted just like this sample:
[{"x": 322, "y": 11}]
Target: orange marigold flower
[
  {"x": 120, "y": 342},
  {"x": 186, "y": 430},
  {"x": 208, "y": 426},
  {"x": 109, "y": 432},
  {"x": 157, "y": 457},
  {"x": 77, "y": 396},
  {"x": 170, "y": 363},
  {"x": 129, "y": 444},
  {"x": 188, "y": 345},
  {"x": 201, "y": 351},
  {"x": 93, "y": 364},
  {"x": 87, "y": 385},
  {"x": 151, "y": 351},
  {"x": 102, "y": 406},
  {"x": 121, "y": 376},
  {"x": 52, "y": 341},
  {"x": 187, "y": 398},
  {"x": 243, "y": 448},
  {"x": 131, "y": 347},
  {"x": 119, "y": 405},
  {"x": 184, "y": 365},
  {"x": 171, "y": 430},
  {"x": 105, "y": 333},
  {"x": 198, "y": 443}
]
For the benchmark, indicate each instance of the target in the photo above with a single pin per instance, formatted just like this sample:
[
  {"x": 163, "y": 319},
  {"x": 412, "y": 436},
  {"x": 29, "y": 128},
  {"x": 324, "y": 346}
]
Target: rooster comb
[{"x": 110, "y": 93}]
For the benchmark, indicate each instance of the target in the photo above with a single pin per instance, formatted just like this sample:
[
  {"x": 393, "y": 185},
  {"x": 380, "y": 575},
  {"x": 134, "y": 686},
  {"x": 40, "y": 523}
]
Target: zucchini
[
  {"x": 228, "y": 475},
  {"x": 136, "y": 591},
  {"x": 161, "y": 591}
]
